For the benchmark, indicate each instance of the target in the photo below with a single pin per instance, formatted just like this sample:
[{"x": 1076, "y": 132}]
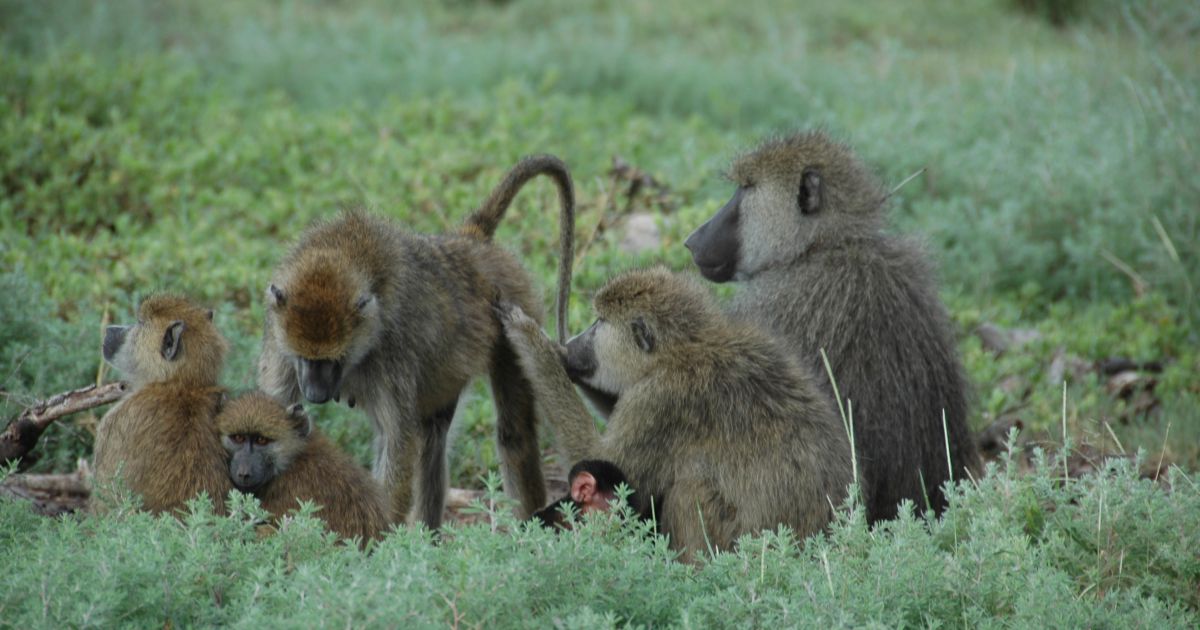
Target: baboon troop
[
  {"x": 803, "y": 239},
  {"x": 715, "y": 424},
  {"x": 276, "y": 454},
  {"x": 399, "y": 322},
  {"x": 160, "y": 440},
  {"x": 722, "y": 420}
]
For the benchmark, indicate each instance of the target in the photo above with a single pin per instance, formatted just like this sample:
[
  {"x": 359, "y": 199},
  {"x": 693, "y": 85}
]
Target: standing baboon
[
  {"x": 276, "y": 454},
  {"x": 803, "y": 236},
  {"x": 715, "y": 424},
  {"x": 161, "y": 437},
  {"x": 400, "y": 322}
]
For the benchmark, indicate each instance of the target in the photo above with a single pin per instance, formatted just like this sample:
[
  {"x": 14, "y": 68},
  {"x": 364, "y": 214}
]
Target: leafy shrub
[{"x": 1106, "y": 551}]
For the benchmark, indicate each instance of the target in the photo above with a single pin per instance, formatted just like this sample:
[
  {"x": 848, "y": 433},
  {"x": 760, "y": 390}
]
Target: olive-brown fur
[
  {"x": 715, "y": 423},
  {"x": 352, "y": 504},
  {"x": 409, "y": 315},
  {"x": 161, "y": 438}
]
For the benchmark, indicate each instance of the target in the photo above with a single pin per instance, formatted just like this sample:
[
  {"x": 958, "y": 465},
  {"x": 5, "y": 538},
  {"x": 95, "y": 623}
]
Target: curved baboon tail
[{"x": 483, "y": 222}]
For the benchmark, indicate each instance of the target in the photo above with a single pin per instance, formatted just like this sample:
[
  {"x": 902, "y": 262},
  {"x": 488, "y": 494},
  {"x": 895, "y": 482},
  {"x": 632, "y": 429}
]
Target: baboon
[
  {"x": 592, "y": 487},
  {"x": 718, "y": 427},
  {"x": 803, "y": 238},
  {"x": 276, "y": 454},
  {"x": 400, "y": 322},
  {"x": 161, "y": 437}
]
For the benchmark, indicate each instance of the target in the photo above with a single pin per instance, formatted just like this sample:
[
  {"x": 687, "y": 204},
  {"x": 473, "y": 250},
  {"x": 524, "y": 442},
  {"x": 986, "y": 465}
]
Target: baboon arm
[{"x": 556, "y": 399}]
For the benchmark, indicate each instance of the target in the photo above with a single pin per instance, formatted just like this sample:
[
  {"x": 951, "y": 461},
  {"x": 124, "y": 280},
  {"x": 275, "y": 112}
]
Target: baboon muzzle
[
  {"x": 715, "y": 245},
  {"x": 114, "y": 338},
  {"x": 248, "y": 468},
  {"x": 580, "y": 357},
  {"x": 320, "y": 379}
]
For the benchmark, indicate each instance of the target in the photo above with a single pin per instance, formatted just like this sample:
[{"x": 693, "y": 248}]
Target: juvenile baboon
[
  {"x": 276, "y": 454},
  {"x": 715, "y": 424},
  {"x": 803, "y": 236},
  {"x": 592, "y": 487},
  {"x": 161, "y": 437},
  {"x": 400, "y": 322}
]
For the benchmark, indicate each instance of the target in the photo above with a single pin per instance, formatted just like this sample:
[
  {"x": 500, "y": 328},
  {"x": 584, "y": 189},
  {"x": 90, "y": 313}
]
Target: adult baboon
[
  {"x": 803, "y": 237},
  {"x": 400, "y": 322},
  {"x": 713, "y": 422}
]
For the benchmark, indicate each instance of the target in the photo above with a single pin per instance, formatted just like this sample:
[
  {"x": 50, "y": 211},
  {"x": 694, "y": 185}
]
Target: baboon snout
[
  {"x": 320, "y": 379},
  {"x": 579, "y": 360},
  {"x": 114, "y": 338},
  {"x": 715, "y": 245},
  {"x": 246, "y": 471}
]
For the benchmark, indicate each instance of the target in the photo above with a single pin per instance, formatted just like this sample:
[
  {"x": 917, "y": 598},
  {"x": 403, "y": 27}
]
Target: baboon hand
[{"x": 513, "y": 317}]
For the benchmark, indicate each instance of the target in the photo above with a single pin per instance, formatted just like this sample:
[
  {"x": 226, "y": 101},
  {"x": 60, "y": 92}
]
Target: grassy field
[{"x": 183, "y": 146}]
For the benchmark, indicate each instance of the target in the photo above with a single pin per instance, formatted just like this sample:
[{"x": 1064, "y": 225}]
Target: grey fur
[{"x": 831, "y": 279}]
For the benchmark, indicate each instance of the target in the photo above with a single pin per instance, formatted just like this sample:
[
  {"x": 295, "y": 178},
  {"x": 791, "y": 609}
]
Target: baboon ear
[
  {"x": 365, "y": 301},
  {"x": 643, "y": 334},
  {"x": 172, "y": 340},
  {"x": 810, "y": 191},
  {"x": 275, "y": 297},
  {"x": 584, "y": 489},
  {"x": 300, "y": 420}
]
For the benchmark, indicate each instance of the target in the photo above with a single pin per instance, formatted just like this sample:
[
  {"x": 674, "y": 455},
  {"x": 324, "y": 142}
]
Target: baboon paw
[{"x": 511, "y": 316}]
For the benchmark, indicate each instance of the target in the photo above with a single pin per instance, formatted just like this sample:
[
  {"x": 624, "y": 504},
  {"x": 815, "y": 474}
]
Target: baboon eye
[
  {"x": 237, "y": 438},
  {"x": 261, "y": 440}
]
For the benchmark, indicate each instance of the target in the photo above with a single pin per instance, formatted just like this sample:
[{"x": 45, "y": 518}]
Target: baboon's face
[
  {"x": 768, "y": 220},
  {"x": 326, "y": 327},
  {"x": 263, "y": 444},
  {"x": 151, "y": 349},
  {"x": 611, "y": 355}
]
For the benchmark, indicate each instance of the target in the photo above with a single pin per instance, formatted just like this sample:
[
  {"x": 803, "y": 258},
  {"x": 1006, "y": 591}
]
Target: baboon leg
[
  {"x": 430, "y": 495},
  {"x": 516, "y": 432},
  {"x": 699, "y": 519},
  {"x": 395, "y": 448},
  {"x": 692, "y": 518}
]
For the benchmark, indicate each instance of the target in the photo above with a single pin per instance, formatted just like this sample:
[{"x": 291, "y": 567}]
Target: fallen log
[{"x": 23, "y": 432}]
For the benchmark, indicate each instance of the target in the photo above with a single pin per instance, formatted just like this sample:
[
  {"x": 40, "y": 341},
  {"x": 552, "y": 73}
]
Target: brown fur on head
[
  {"x": 325, "y": 306},
  {"x": 645, "y": 318},
  {"x": 260, "y": 414},
  {"x": 173, "y": 340},
  {"x": 280, "y": 431},
  {"x": 672, "y": 303}
]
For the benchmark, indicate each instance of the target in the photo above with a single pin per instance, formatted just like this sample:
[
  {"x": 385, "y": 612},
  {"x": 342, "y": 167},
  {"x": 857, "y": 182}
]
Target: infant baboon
[
  {"x": 276, "y": 454},
  {"x": 592, "y": 487},
  {"x": 161, "y": 436},
  {"x": 715, "y": 424},
  {"x": 400, "y": 322},
  {"x": 803, "y": 236}
]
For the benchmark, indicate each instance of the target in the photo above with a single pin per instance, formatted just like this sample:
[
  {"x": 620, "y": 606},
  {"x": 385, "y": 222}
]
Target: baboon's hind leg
[{"x": 516, "y": 431}]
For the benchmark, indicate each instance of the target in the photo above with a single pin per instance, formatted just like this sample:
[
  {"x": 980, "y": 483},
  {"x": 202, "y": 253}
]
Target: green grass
[{"x": 184, "y": 146}]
